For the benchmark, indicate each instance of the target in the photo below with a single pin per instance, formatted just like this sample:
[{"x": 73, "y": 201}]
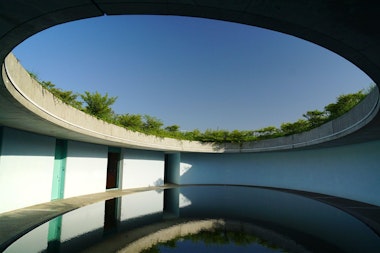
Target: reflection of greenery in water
[{"x": 215, "y": 238}]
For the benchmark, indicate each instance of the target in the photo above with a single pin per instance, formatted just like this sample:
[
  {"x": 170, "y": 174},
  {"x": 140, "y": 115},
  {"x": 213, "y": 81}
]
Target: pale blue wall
[
  {"x": 26, "y": 169},
  {"x": 27, "y": 162},
  {"x": 351, "y": 171},
  {"x": 142, "y": 168},
  {"x": 86, "y": 169}
]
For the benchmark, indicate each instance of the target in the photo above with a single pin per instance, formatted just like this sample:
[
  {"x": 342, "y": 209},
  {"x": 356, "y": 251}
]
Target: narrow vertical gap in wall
[
  {"x": 59, "y": 171},
  {"x": 113, "y": 165}
]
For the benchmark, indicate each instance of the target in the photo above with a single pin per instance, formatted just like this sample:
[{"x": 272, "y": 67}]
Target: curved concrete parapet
[
  {"x": 347, "y": 124},
  {"x": 53, "y": 117},
  {"x": 56, "y": 118},
  {"x": 25, "y": 105}
]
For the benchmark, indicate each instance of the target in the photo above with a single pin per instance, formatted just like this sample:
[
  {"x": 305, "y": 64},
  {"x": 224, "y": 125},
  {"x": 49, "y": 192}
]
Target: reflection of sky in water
[
  {"x": 296, "y": 218},
  {"x": 191, "y": 247}
]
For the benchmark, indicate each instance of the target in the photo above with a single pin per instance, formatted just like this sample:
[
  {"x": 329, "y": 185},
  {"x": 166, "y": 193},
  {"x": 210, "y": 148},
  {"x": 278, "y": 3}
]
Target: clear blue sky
[{"x": 193, "y": 72}]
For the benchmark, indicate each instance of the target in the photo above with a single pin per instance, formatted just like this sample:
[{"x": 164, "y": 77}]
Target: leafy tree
[
  {"x": 210, "y": 135},
  {"x": 343, "y": 104},
  {"x": 67, "y": 97},
  {"x": 131, "y": 121},
  {"x": 48, "y": 85},
  {"x": 266, "y": 132},
  {"x": 151, "y": 124},
  {"x": 238, "y": 136},
  {"x": 299, "y": 126},
  {"x": 192, "y": 135},
  {"x": 172, "y": 128},
  {"x": 34, "y": 76},
  {"x": 316, "y": 117},
  {"x": 98, "y": 105}
]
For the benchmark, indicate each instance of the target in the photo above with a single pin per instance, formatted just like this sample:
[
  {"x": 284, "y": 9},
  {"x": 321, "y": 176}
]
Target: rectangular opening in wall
[
  {"x": 112, "y": 170},
  {"x": 166, "y": 169}
]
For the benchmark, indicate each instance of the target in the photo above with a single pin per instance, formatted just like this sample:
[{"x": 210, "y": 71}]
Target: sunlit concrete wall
[
  {"x": 26, "y": 169},
  {"x": 142, "y": 168},
  {"x": 350, "y": 171},
  {"x": 86, "y": 169},
  {"x": 27, "y": 163}
]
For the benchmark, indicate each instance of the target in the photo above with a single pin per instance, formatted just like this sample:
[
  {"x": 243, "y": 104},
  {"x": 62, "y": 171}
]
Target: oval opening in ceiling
[{"x": 193, "y": 72}]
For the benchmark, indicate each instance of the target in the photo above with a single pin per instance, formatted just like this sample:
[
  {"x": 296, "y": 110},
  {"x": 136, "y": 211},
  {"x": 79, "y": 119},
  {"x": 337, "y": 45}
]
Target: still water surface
[{"x": 203, "y": 219}]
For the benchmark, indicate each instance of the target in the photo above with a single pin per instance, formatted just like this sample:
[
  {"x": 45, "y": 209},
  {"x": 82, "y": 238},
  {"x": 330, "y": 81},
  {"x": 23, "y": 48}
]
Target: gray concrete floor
[{"x": 16, "y": 223}]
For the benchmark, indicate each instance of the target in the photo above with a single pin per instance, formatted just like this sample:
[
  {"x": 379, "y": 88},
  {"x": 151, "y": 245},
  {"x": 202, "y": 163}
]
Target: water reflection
[{"x": 181, "y": 216}]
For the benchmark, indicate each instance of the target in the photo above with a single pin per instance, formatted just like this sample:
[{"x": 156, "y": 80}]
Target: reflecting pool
[{"x": 203, "y": 219}]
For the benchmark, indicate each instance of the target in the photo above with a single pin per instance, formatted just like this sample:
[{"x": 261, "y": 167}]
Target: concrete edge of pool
[{"x": 16, "y": 223}]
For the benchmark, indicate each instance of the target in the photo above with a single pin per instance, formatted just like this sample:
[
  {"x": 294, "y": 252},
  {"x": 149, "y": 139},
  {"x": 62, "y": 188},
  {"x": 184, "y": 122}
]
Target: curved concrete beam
[{"x": 348, "y": 29}]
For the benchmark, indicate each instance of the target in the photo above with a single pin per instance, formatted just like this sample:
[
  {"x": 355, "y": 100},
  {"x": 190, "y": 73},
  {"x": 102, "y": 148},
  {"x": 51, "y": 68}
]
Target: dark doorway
[{"x": 112, "y": 170}]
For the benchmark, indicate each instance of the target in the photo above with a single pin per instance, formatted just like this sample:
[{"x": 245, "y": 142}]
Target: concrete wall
[
  {"x": 348, "y": 171},
  {"x": 26, "y": 169},
  {"x": 27, "y": 162},
  {"x": 86, "y": 169},
  {"x": 142, "y": 168}
]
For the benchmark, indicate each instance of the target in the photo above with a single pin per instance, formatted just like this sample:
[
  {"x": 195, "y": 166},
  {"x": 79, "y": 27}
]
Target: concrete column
[
  {"x": 172, "y": 163},
  {"x": 59, "y": 169}
]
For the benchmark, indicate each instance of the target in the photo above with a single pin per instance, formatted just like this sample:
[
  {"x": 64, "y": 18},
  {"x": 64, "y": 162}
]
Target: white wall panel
[
  {"x": 26, "y": 169},
  {"x": 86, "y": 169},
  {"x": 143, "y": 168},
  {"x": 350, "y": 171}
]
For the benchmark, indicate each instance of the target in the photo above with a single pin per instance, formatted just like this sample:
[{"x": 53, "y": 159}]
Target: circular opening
[{"x": 192, "y": 72}]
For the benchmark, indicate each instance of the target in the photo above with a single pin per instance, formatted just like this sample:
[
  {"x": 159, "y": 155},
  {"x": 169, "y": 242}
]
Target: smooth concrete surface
[
  {"x": 344, "y": 28},
  {"x": 39, "y": 102},
  {"x": 86, "y": 169},
  {"x": 142, "y": 168},
  {"x": 25, "y": 159},
  {"x": 16, "y": 223},
  {"x": 350, "y": 171}
]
